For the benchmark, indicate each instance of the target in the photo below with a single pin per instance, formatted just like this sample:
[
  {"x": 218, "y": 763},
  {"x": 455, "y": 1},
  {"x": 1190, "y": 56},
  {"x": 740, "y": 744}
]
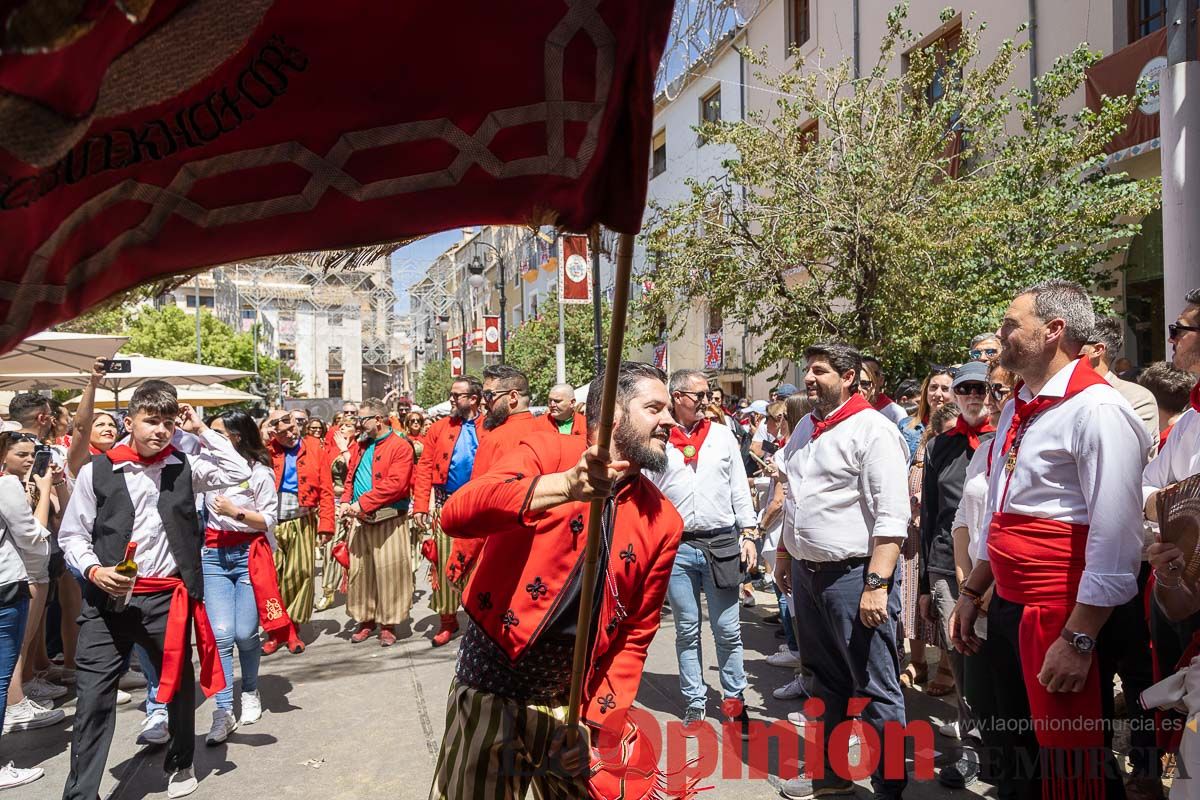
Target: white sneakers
[
  {"x": 251, "y": 708},
  {"x": 124, "y": 698},
  {"x": 154, "y": 729},
  {"x": 12, "y": 777},
  {"x": 788, "y": 659},
  {"x": 41, "y": 689},
  {"x": 29, "y": 715},
  {"x": 792, "y": 690},
  {"x": 798, "y": 719},
  {"x": 182, "y": 783},
  {"x": 223, "y": 724}
]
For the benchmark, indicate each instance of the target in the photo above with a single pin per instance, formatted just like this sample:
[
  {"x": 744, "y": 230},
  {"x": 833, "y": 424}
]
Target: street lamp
[
  {"x": 475, "y": 268},
  {"x": 443, "y": 322}
]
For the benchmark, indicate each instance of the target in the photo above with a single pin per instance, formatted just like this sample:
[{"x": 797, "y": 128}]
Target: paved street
[{"x": 363, "y": 723}]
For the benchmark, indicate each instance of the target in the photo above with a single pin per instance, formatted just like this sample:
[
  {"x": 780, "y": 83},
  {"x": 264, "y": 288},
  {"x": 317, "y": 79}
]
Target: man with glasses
[
  {"x": 445, "y": 465},
  {"x": 1106, "y": 341},
  {"x": 985, "y": 347},
  {"x": 946, "y": 460},
  {"x": 304, "y": 480},
  {"x": 706, "y": 481},
  {"x": 562, "y": 415}
]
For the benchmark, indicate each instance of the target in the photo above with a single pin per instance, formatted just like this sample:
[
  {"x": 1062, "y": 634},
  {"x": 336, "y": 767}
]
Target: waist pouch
[{"x": 723, "y": 549}]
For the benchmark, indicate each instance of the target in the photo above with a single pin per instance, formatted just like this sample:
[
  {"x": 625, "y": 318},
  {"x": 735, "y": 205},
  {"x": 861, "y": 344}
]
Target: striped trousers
[
  {"x": 494, "y": 749},
  {"x": 381, "y": 573},
  {"x": 445, "y": 600},
  {"x": 331, "y": 571},
  {"x": 294, "y": 557}
]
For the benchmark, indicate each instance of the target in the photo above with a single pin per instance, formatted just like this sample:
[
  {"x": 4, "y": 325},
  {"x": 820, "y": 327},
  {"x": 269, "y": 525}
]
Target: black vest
[{"x": 177, "y": 507}]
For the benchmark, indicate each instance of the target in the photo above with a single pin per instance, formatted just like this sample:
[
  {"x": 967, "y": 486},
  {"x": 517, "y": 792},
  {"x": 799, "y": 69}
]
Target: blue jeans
[
  {"x": 150, "y": 673},
  {"x": 848, "y": 659},
  {"x": 785, "y": 620},
  {"x": 12, "y": 634},
  {"x": 229, "y": 600},
  {"x": 689, "y": 575}
]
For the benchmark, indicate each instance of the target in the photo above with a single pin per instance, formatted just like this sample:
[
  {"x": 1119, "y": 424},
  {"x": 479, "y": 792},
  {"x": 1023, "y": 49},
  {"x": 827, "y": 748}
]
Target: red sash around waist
[
  {"x": 272, "y": 614},
  {"x": 1038, "y": 563},
  {"x": 212, "y": 677}
]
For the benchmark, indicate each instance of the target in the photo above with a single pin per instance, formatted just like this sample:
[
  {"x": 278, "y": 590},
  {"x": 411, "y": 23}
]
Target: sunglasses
[
  {"x": 699, "y": 396},
  {"x": 490, "y": 395},
  {"x": 866, "y": 384},
  {"x": 455, "y": 395},
  {"x": 18, "y": 436},
  {"x": 967, "y": 389},
  {"x": 1175, "y": 329},
  {"x": 942, "y": 369},
  {"x": 983, "y": 352},
  {"x": 999, "y": 391}
]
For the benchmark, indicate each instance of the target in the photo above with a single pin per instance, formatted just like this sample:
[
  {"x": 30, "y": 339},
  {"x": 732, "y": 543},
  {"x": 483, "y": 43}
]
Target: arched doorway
[{"x": 1144, "y": 293}]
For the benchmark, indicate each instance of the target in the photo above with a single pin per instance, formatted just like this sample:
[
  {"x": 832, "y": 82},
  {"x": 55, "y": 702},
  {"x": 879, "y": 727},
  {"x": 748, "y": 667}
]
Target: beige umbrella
[
  {"x": 213, "y": 396},
  {"x": 54, "y": 352},
  {"x": 142, "y": 368}
]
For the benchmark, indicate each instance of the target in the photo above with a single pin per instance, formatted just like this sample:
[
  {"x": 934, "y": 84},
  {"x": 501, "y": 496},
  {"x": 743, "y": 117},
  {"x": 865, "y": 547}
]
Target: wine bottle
[{"x": 127, "y": 567}]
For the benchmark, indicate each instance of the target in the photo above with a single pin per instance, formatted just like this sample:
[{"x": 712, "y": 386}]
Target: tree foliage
[
  {"x": 930, "y": 195},
  {"x": 433, "y": 384},
  {"x": 531, "y": 347}
]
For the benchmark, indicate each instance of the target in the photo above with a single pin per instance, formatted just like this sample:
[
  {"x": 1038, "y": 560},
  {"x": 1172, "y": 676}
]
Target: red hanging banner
[
  {"x": 456, "y": 362},
  {"x": 574, "y": 270},
  {"x": 491, "y": 335}
]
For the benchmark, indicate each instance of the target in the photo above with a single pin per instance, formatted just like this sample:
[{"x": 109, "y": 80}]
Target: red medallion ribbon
[
  {"x": 690, "y": 444},
  {"x": 212, "y": 677},
  {"x": 855, "y": 404},
  {"x": 1038, "y": 563},
  {"x": 272, "y": 614}
]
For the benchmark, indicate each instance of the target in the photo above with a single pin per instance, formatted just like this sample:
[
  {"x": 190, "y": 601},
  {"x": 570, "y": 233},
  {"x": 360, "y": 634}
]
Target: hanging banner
[
  {"x": 456, "y": 362},
  {"x": 660, "y": 356},
  {"x": 714, "y": 351},
  {"x": 491, "y": 335},
  {"x": 574, "y": 274},
  {"x": 1119, "y": 74},
  {"x": 477, "y": 339}
]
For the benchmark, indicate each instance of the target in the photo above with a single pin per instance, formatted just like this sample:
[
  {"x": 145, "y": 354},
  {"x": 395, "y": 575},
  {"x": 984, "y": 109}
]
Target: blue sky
[{"x": 421, "y": 254}]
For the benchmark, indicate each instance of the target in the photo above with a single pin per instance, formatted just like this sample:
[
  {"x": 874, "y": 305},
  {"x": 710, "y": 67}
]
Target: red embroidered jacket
[
  {"x": 434, "y": 466},
  {"x": 578, "y": 425},
  {"x": 392, "y": 472},
  {"x": 314, "y": 478},
  {"x": 527, "y": 560},
  {"x": 500, "y": 441}
]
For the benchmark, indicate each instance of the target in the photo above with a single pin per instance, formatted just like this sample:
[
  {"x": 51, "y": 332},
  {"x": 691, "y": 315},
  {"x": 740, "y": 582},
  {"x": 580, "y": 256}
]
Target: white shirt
[
  {"x": 847, "y": 488},
  {"x": 972, "y": 507},
  {"x": 715, "y": 494},
  {"x": 895, "y": 412},
  {"x": 1179, "y": 458},
  {"x": 24, "y": 542},
  {"x": 219, "y": 465},
  {"x": 256, "y": 494},
  {"x": 1080, "y": 462}
]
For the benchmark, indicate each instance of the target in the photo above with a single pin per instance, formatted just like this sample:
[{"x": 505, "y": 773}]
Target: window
[
  {"x": 716, "y": 321},
  {"x": 658, "y": 154},
  {"x": 798, "y": 23},
  {"x": 335, "y": 386},
  {"x": 1148, "y": 16},
  {"x": 809, "y": 133},
  {"x": 287, "y": 354},
  {"x": 710, "y": 106},
  {"x": 335, "y": 358},
  {"x": 206, "y": 301},
  {"x": 336, "y": 320}
]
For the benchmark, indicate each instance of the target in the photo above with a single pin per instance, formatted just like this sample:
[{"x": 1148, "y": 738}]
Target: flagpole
[
  {"x": 608, "y": 403},
  {"x": 560, "y": 352},
  {"x": 597, "y": 324}
]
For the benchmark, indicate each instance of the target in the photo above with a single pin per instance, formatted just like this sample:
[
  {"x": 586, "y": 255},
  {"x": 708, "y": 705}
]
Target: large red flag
[{"x": 142, "y": 140}]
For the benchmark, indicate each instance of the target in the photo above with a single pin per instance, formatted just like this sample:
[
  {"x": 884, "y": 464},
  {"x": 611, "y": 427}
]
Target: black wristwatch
[
  {"x": 241, "y": 517},
  {"x": 1082, "y": 643},
  {"x": 875, "y": 581}
]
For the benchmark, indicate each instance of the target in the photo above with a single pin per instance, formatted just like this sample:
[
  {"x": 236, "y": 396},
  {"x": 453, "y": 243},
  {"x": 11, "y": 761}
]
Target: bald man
[{"x": 563, "y": 416}]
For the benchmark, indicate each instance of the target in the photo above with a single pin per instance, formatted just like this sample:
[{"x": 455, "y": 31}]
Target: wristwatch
[
  {"x": 874, "y": 581},
  {"x": 1080, "y": 641},
  {"x": 241, "y": 516}
]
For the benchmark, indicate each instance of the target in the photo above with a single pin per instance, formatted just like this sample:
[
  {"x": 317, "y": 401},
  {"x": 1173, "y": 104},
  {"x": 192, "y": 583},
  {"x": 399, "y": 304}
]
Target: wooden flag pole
[{"x": 608, "y": 405}]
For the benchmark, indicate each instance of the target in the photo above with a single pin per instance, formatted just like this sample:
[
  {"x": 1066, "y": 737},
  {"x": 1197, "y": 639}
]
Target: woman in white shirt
[
  {"x": 241, "y": 521},
  {"x": 23, "y": 551}
]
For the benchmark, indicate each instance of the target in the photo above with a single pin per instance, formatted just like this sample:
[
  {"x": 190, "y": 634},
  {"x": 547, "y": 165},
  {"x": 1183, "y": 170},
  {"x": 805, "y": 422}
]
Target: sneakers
[
  {"x": 798, "y": 719},
  {"x": 748, "y": 600},
  {"x": 27, "y": 715},
  {"x": 448, "y": 629},
  {"x": 63, "y": 675},
  {"x": 251, "y": 708},
  {"x": 960, "y": 774},
  {"x": 132, "y": 680},
  {"x": 692, "y": 719},
  {"x": 270, "y": 646},
  {"x": 12, "y": 777},
  {"x": 734, "y": 711},
  {"x": 363, "y": 633},
  {"x": 182, "y": 783},
  {"x": 789, "y": 659},
  {"x": 793, "y": 690},
  {"x": 41, "y": 689},
  {"x": 154, "y": 729},
  {"x": 387, "y": 637},
  {"x": 802, "y": 789},
  {"x": 223, "y": 724},
  {"x": 295, "y": 646},
  {"x": 124, "y": 698},
  {"x": 323, "y": 602}
]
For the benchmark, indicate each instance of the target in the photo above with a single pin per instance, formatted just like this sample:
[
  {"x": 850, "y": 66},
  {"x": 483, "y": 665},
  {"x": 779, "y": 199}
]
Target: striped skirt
[
  {"x": 447, "y": 596},
  {"x": 381, "y": 573},
  {"x": 294, "y": 557},
  {"x": 494, "y": 749}
]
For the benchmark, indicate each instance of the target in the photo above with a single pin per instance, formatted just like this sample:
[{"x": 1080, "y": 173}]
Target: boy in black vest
[{"x": 143, "y": 492}]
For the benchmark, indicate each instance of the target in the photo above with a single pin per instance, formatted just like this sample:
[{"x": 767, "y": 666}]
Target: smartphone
[
  {"x": 118, "y": 365},
  {"x": 41, "y": 460}
]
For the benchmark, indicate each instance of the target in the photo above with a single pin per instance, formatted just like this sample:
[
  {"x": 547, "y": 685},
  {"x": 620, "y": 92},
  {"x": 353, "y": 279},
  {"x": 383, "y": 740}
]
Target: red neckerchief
[
  {"x": 1162, "y": 436},
  {"x": 882, "y": 401},
  {"x": 94, "y": 451},
  {"x": 1194, "y": 397},
  {"x": 855, "y": 404},
  {"x": 963, "y": 428},
  {"x": 1024, "y": 411},
  {"x": 123, "y": 452},
  {"x": 690, "y": 445}
]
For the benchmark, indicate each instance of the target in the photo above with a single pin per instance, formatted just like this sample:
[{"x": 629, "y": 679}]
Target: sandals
[
  {"x": 914, "y": 674},
  {"x": 941, "y": 685}
]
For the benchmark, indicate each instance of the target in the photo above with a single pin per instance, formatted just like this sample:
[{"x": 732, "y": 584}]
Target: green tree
[
  {"x": 930, "y": 195},
  {"x": 433, "y": 384},
  {"x": 531, "y": 348}
]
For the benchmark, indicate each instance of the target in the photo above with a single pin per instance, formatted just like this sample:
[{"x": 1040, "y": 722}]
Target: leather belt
[
  {"x": 711, "y": 533},
  {"x": 844, "y": 565}
]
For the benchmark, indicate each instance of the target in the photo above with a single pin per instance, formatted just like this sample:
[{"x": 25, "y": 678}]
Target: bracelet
[
  {"x": 60, "y": 483},
  {"x": 967, "y": 591},
  {"x": 1158, "y": 581}
]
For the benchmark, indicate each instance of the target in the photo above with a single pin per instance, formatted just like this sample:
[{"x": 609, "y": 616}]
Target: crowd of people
[{"x": 990, "y": 534}]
